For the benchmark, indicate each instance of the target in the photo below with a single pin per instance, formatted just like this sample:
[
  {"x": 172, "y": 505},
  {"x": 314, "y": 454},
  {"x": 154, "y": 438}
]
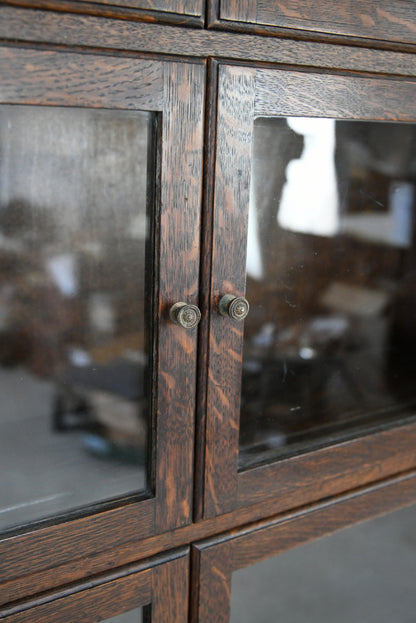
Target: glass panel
[
  {"x": 74, "y": 275},
  {"x": 331, "y": 275},
  {"x": 365, "y": 573},
  {"x": 133, "y": 616}
]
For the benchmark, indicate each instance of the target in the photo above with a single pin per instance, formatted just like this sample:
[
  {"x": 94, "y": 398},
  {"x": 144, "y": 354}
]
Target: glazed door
[
  {"x": 312, "y": 394},
  {"x": 100, "y": 208},
  {"x": 280, "y": 569}
]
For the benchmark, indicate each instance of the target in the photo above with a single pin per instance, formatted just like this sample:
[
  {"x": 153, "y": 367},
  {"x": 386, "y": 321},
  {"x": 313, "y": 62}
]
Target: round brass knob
[
  {"x": 236, "y": 307},
  {"x": 184, "y": 315}
]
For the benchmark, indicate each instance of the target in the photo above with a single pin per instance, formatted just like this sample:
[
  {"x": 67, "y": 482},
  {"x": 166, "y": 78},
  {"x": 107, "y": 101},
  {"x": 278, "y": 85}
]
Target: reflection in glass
[
  {"x": 133, "y": 616},
  {"x": 364, "y": 573},
  {"x": 331, "y": 281},
  {"x": 73, "y": 281}
]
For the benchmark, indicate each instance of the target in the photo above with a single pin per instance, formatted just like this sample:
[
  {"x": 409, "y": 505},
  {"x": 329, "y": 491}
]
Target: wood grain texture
[
  {"x": 57, "y": 79},
  {"x": 179, "y": 230},
  {"x": 211, "y": 594},
  {"x": 205, "y": 283},
  {"x": 57, "y": 544},
  {"x": 170, "y": 584},
  {"x": 113, "y": 34},
  {"x": 185, "y": 7},
  {"x": 321, "y": 520},
  {"x": 92, "y": 604},
  {"x": 161, "y": 583},
  {"x": 323, "y": 95},
  {"x": 384, "y": 20},
  {"x": 238, "y": 10},
  {"x": 142, "y": 549},
  {"x": 124, "y": 10},
  {"x": 252, "y": 544},
  {"x": 331, "y": 470},
  {"x": 231, "y": 199}
]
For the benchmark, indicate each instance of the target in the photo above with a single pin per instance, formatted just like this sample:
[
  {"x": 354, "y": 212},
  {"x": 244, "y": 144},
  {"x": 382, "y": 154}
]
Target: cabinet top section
[
  {"x": 35, "y": 26},
  {"x": 182, "y": 12},
  {"x": 379, "y": 20},
  {"x": 371, "y": 23}
]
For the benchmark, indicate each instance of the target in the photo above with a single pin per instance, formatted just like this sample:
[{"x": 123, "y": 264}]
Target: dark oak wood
[
  {"x": 121, "y": 54},
  {"x": 102, "y": 562},
  {"x": 180, "y": 12},
  {"x": 233, "y": 141},
  {"x": 170, "y": 587},
  {"x": 329, "y": 471},
  {"x": 179, "y": 229},
  {"x": 187, "y": 7},
  {"x": 79, "y": 80},
  {"x": 245, "y": 93},
  {"x": 214, "y": 560},
  {"x": 211, "y": 571},
  {"x": 391, "y": 21},
  {"x": 92, "y": 604},
  {"x": 205, "y": 280},
  {"x": 176, "y": 92},
  {"x": 238, "y": 10},
  {"x": 74, "y": 30},
  {"x": 163, "y": 586},
  {"x": 334, "y": 96}
]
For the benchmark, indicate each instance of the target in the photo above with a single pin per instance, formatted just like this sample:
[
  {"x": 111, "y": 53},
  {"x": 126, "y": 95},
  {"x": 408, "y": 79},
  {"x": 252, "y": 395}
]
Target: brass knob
[
  {"x": 184, "y": 315},
  {"x": 236, "y": 307}
]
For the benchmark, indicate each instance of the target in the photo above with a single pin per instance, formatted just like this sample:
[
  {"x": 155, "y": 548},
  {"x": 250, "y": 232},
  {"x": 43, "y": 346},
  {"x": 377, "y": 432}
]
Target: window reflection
[
  {"x": 133, "y": 616},
  {"x": 331, "y": 268},
  {"x": 74, "y": 276}
]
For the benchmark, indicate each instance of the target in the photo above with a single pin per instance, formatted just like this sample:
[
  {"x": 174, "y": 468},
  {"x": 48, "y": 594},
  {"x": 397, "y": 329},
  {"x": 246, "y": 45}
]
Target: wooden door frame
[
  {"x": 175, "y": 91},
  {"x": 214, "y": 560},
  {"x": 179, "y": 12},
  {"x": 245, "y": 93},
  {"x": 161, "y": 584},
  {"x": 390, "y": 24}
]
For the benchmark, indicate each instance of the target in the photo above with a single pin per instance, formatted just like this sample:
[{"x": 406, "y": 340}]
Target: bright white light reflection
[
  {"x": 309, "y": 202},
  {"x": 254, "y": 265}
]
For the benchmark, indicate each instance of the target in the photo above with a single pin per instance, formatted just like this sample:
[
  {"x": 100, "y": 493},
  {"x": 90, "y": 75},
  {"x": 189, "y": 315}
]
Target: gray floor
[
  {"x": 44, "y": 472},
  {"x": 364, "y": 574}
]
